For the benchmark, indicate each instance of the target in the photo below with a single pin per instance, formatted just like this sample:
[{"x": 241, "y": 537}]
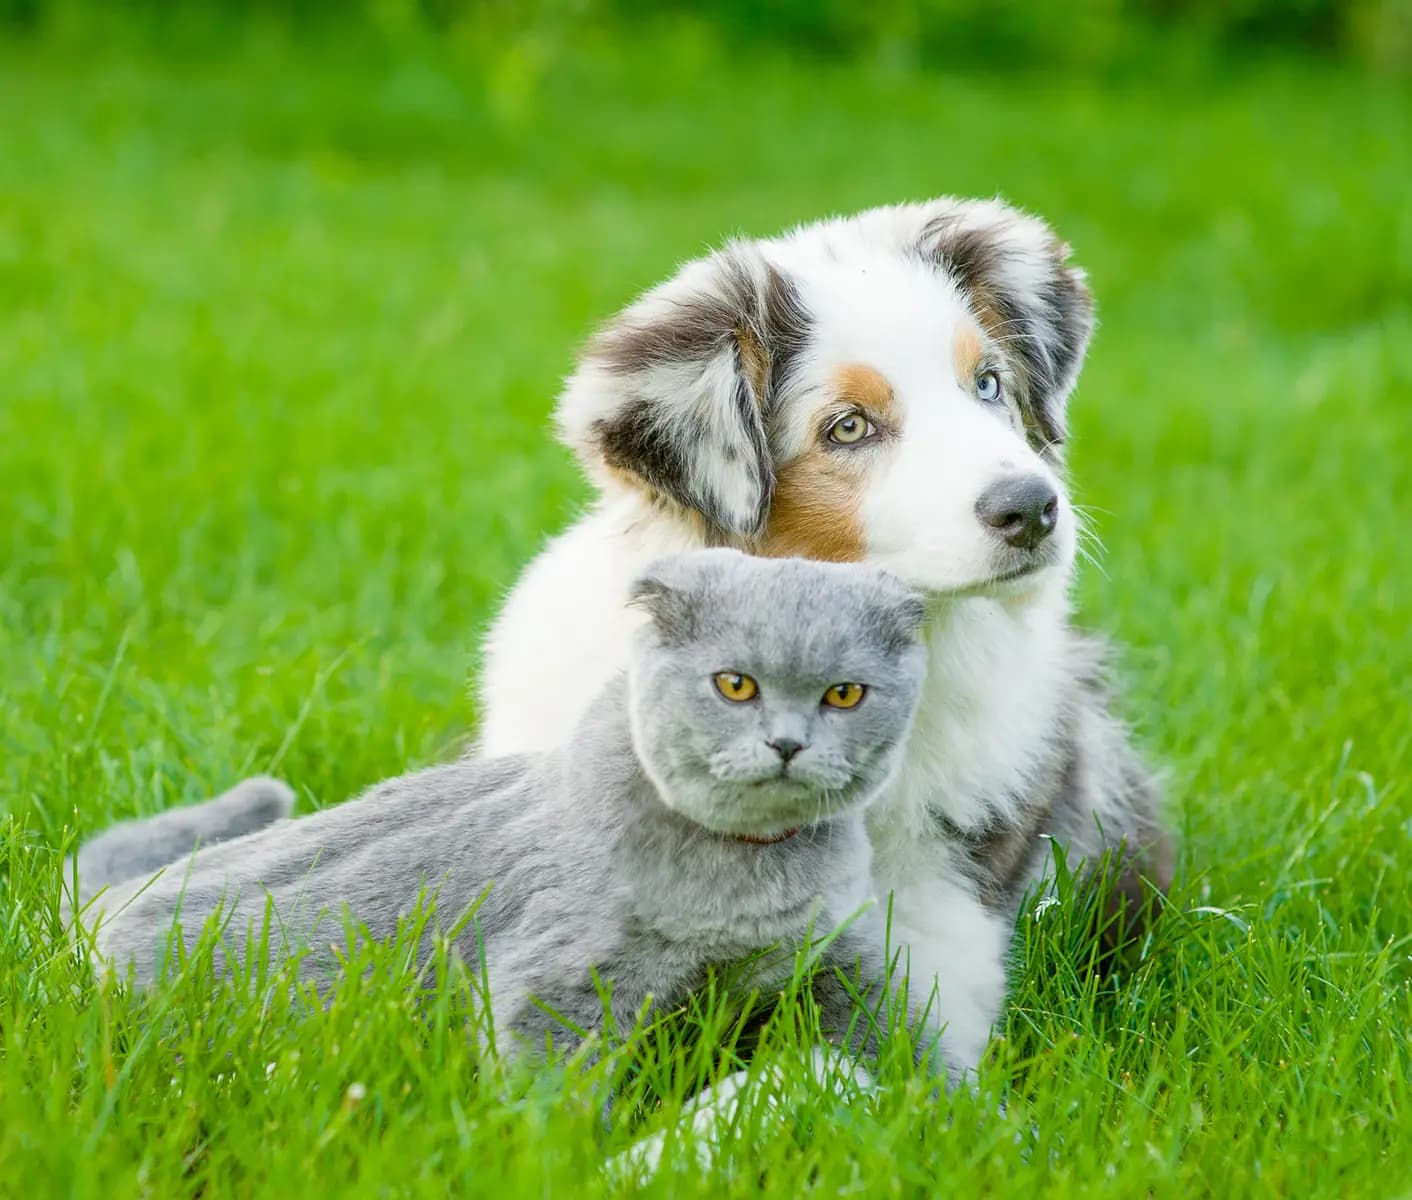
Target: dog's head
[{"x": 889, "y": 386}]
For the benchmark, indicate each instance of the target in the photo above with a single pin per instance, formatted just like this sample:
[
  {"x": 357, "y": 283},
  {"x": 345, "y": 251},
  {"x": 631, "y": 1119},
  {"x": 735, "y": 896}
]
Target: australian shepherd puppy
[{"x": 891, "y": 388}]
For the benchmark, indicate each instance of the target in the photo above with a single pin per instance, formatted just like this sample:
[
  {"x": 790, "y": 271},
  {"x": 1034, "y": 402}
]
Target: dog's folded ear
[
  {"x": 1015, "y": 275},
  {"x": 676, "y": 392}
]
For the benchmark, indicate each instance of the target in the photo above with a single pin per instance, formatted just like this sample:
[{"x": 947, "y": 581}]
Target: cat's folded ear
[
  {"x": 673, "y": 395},
  {"x": 901, "y": 610},
  {"x": 671, "y": 609},
  {"x": 674, "y": 591}
]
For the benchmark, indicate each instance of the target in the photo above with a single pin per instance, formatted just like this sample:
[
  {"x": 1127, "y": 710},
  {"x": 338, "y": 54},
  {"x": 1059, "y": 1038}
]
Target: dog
[{"x": 888, "y": 387}]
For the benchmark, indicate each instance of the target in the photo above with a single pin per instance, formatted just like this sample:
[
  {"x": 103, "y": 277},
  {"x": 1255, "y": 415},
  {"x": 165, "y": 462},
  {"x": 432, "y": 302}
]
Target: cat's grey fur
[
  {"x": 623, "y": 852},
  {"x": 144, "y": 844}
]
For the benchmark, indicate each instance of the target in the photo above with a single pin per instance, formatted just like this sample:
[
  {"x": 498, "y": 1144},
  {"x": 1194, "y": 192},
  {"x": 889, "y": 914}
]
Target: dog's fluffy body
[{"x": 706, "y": 415}]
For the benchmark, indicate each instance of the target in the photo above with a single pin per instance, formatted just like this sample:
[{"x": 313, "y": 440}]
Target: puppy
[{"x": 889, "y": 387}]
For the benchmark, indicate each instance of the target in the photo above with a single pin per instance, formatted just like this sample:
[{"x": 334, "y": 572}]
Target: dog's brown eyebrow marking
[
  {"x": 865, "y": 386},
  {"x": 967, "y": 351}
]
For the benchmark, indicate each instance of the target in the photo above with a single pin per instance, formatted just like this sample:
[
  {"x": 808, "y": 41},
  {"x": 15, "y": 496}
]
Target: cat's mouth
[
  {"x": 793, "y": 782},
  {"x": 755, "y": 839}
]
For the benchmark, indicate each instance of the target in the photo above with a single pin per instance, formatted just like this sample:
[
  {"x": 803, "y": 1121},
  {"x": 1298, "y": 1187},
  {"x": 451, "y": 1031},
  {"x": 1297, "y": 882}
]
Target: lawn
[{"x": 281, "y": 322}]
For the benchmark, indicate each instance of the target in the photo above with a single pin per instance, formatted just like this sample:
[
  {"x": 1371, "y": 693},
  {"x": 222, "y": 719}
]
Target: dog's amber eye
[
  {"x": 850, "y": 429},
  {"x": 844, "y": 695},
  {"x": 988, "y": 387},
  {"x": 737, "y": 688}
]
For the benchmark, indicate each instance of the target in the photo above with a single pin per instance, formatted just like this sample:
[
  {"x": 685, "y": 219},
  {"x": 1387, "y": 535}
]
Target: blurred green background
[
  {"x": 286, "y": 293},
  {"x": 1079, "y": 33}
]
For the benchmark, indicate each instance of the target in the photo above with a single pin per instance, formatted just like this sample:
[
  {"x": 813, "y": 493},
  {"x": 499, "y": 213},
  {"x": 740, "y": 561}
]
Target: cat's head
[{"x": 767, "y": 694}]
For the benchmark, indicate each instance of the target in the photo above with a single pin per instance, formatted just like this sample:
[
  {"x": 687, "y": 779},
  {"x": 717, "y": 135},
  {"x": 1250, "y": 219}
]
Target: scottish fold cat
[{"x": 709, "y": 806}]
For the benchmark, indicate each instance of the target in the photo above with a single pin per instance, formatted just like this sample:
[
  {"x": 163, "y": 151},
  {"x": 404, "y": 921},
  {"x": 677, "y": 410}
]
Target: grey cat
[{"x": 709, "y": 807}]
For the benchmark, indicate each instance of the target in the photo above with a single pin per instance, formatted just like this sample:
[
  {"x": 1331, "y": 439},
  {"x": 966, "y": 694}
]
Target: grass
[{"x": 281, "y": 322}]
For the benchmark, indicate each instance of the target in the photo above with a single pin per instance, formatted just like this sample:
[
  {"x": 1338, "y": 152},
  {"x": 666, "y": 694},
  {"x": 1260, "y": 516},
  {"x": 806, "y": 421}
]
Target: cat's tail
[{"x": 141, "y": 846}]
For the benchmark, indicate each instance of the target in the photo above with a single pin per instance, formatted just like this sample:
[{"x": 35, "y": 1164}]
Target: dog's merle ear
[
  {"x": 677, "y": 391},
  {"x": 1014, "y": 272}
]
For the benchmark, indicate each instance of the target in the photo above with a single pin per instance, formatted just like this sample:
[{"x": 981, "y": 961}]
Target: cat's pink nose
[{"x": 786, "y": 748}]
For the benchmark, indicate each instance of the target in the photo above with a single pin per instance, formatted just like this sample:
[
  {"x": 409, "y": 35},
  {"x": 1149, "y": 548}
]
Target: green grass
[{"x": 280, "y": 327}]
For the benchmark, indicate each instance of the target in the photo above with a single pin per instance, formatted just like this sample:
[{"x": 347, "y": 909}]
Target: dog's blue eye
[{"x": 988, "y": 387}]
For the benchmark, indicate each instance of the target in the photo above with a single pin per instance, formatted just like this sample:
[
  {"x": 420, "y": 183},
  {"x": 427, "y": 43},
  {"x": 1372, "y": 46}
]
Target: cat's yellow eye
[
  {"x": 851, "y": 428},
  {"x": 738, "y": 688},
  {"x": 844, "y": 695}
]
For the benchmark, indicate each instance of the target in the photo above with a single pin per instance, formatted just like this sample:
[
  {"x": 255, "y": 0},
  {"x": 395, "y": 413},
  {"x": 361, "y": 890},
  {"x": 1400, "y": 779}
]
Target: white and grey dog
[{"x": 889, "y": 387}]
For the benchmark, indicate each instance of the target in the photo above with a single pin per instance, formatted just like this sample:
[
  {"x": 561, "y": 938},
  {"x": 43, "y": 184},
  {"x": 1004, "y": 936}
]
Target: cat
[{"x": 709, "y": 807}]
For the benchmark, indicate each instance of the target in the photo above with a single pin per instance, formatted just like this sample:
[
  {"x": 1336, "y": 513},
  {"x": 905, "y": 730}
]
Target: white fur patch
[{"x": 956, "y": 945}]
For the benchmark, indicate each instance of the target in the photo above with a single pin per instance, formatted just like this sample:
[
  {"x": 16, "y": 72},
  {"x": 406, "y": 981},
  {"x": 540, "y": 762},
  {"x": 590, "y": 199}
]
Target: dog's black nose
[
  {"x": 1023, "y": 509},
  {"x": 786, "y": 748}
]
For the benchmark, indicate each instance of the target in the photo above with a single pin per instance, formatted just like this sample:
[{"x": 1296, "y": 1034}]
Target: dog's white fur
[{"x": 1001, "y": 654}]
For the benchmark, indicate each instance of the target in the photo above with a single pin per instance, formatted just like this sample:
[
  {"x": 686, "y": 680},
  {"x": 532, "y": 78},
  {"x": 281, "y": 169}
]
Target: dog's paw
[{"x": 710, "y": 1123}]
